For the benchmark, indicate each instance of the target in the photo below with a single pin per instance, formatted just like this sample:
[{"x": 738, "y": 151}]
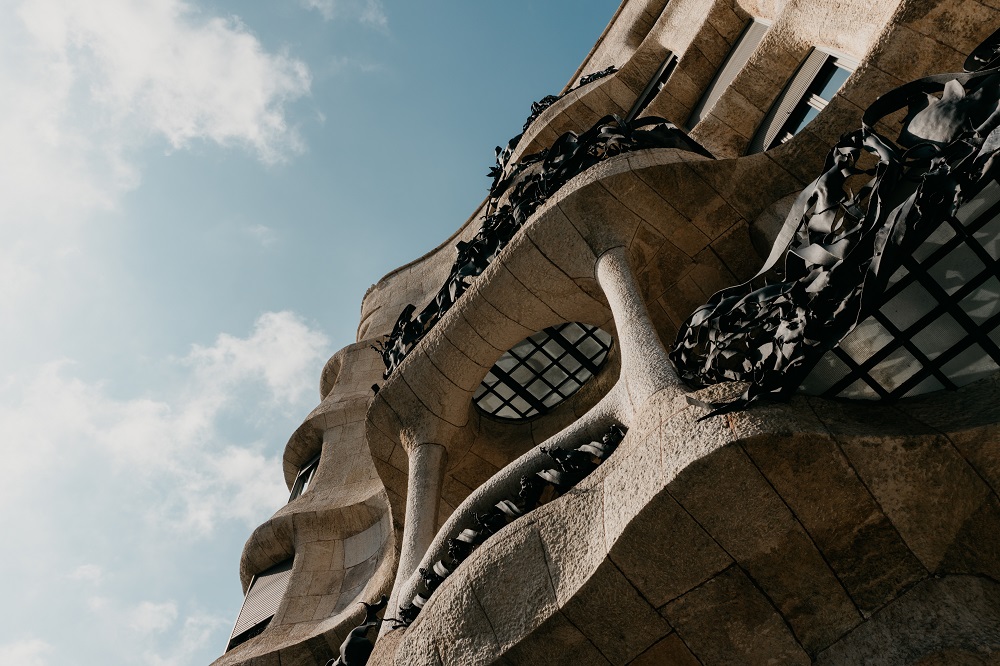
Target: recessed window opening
[
  {"x": 261, "y": 603},
  {"x": 654, "y": 86},
  {"x": 810, "y": 90},
  {"x": 541, "y": 371},
  {"x": 738, "y": 57},
  {"x": 304, "y": 478}
]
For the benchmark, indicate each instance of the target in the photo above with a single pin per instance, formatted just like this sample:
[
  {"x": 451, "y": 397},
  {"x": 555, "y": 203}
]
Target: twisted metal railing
[
  {"x": 848, "y": 234},
  {"x": 571, "y": 467},
  {"x": 518, "y": 190},
  {"x": 357, "y": 647}
]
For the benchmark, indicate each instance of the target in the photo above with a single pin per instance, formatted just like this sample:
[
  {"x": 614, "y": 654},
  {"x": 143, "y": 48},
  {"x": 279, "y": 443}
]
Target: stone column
[
  {"x": 423, "y": 498},
  {"x": 645, "y": 366}
]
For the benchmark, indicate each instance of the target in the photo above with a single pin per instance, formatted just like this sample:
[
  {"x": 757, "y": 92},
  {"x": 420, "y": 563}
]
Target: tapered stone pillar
[{"x": 423, "y": 497}]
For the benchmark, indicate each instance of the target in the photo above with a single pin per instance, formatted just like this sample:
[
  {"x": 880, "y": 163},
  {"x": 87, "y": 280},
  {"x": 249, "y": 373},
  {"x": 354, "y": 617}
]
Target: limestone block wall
[
  {"x": 339, "y": 532},
  {"x": 792, "y": 534},
  {"x": 812, "y": 532}
]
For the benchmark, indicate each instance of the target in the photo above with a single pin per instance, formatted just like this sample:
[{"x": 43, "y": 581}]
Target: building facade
[{"x": 709, "y": 378}]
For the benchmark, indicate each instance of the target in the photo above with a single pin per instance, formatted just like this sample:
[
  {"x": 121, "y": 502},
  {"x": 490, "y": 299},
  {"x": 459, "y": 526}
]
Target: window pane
[
  {"x": 548, "y": 373},
  {"x": 801, "y": 117},
  {"x": 834, "y": 79}
]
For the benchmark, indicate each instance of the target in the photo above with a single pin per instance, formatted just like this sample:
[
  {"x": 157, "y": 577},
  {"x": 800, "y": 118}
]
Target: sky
[{"x": 194, "y": 197}]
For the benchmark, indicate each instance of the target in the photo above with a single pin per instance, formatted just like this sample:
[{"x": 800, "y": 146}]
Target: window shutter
[
  {"x": 262, "y": 601},
  {"x": 653, "y": 87},
  {"x": 786, "y": 102},
  {"x": 737, "y": 58}
]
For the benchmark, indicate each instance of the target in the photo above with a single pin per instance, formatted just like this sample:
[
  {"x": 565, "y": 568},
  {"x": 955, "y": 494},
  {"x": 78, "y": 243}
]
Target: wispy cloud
[
  {"x": 88, "y": 87},
  {"x": 29, "y": 652},
  {"x": 369, "y": 12},
  {"x": 263, "y": 234},
  {"x": 164, "y": 473},
  {"x": 149, "y": 617},
  {"x": 89, "y": 573},
  {"x": 342, "y": 64},
  {"x": 174, "y": 442}
]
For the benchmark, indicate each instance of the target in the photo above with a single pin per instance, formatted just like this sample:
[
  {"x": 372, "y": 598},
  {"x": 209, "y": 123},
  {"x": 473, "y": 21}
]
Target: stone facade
[{"x": 808, "y": 531}]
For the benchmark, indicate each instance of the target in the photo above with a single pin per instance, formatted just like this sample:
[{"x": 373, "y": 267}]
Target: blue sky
[{"x": 193, "y": 199}]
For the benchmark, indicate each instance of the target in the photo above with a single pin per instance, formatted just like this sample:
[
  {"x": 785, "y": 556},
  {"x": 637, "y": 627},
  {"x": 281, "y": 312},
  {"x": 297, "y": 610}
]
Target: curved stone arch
[
  {"x": 341, "y": 532},
  {"x": 789, "y": 532},
  {"x": 575, "y": 111},
  {"x": 624, "y": 34}
]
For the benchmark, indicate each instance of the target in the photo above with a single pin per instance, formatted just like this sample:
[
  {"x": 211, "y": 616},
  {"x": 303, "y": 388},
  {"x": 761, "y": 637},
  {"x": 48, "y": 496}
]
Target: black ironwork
[
  {"x": 357, "y": 648},
  {"x": 538, "y": 107},
  {"x": 838, "y": 258},
  {"x": 593, "y": 76},
  {"x": 571, "y": 467},
  {"x": 517, "y": 192},
  {"x": 541, "y": 371},
  {"x": 986, "y": 55}
]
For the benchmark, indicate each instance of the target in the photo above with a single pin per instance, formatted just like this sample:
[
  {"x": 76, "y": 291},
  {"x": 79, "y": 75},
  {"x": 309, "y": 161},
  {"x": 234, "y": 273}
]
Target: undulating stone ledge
[{"x": 780, "y": 531}]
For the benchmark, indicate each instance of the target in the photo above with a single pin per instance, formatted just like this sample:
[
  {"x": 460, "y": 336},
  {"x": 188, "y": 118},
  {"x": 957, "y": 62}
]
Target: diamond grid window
[
  {"x": 939, "y": 324},
  {"x": 541, "y": 371}
]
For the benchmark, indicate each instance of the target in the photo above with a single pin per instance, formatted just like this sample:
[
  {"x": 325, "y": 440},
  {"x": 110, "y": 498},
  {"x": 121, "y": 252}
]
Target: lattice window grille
[
  {"x": 542, "y": 370},
  {"x": 939, "y": 324}
]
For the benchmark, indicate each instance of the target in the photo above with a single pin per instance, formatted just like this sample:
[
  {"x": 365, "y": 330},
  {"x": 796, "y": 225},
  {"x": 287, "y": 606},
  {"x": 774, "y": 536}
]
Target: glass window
[
  {"x": 654, "y": 86},
  {"x": 831, "y": 77},
  {"x": 939, "y": 322},
  {"x": 541, "y": 371},
  {"x": 304, "y": 478},
  {"x": 810, "y": 90}
]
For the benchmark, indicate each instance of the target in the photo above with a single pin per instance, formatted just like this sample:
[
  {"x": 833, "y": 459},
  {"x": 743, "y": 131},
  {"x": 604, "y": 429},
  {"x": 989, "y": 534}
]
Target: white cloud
[
  {"x": 87, "y": 86},
  {"x": 195, "y": 634},
  {"x": 166, "y": 68},
  {"x": 280, "y": 350},
  {"x": 370, "y": 12},
  {"x": 30, "y": 652},
  {"x": 139, "y": 491},
  {"x": 88, "y": 573},
  {"x": 155, "y": 633},
  {"x": 174, "y": 443},
  {"x": 149, "y": 617},
  {"x": 263, "y": 234}
]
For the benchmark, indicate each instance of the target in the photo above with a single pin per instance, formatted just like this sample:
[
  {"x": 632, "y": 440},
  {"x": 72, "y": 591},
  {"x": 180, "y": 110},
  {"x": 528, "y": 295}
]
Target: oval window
[{"x": 542, "y": 370}]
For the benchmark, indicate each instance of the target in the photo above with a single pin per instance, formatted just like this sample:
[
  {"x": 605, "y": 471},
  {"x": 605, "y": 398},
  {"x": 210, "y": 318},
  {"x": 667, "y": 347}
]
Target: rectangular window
[
  {"x": 810, "y": 90},
  {"x": 654, "y": 86},
  {"x": 738, "y": 56},
  {"x": 304, "y": 478},
  {"x": 261, "y": 603}
]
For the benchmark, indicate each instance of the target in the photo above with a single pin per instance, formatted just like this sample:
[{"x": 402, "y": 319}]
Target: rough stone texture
[
  {"x": 950, "y": 620},
  {"x": 808, "y": 531},
  {"x": 729, "y": 621},
  {"x": 612, "y": 613},
  {"x": 670, "y": 650},
  {"x": 727, "y": 495}
]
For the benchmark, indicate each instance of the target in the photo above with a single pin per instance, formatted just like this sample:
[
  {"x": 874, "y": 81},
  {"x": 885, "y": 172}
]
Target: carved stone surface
[{"x": 626, "y": 526}]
